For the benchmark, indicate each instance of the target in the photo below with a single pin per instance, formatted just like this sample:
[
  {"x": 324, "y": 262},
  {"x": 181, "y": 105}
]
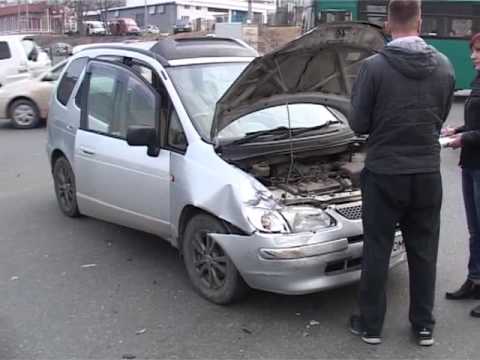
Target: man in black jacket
[{"x": 400, "y": 99}]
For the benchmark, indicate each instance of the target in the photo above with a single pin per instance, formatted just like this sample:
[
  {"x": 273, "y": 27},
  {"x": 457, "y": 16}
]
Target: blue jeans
[{"x": 471, "y": 197}]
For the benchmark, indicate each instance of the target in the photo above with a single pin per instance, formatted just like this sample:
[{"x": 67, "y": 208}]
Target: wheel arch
[{"x": 190, "y": 211}]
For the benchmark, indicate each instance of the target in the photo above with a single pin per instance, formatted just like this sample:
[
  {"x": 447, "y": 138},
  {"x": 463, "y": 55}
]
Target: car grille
[{"x": 350, "y": 211}]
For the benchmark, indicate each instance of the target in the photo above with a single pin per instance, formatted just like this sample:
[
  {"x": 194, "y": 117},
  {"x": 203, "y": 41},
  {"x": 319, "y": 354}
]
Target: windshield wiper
[
  {"x": 303, "y": 130},
  {"x": 253, "y": 135},
  {"x": 283, "y": 131}
]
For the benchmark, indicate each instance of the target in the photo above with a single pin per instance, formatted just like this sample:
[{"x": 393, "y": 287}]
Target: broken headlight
[
  {"x": 266, "y": 220},
  {"x": 307, "y": 219}
]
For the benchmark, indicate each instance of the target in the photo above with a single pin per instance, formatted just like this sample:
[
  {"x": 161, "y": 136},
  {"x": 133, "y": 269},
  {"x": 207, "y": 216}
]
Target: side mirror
[
  {"x": 138, "y": 135},
  {"x": 33, "y": 56},
  {"x": 48, "y": 77}
]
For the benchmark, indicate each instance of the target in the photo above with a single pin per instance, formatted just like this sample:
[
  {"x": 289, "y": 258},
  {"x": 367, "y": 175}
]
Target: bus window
[
  {"x": 430, "y": 26},
  {"x": 460, "y": 28},
  {"x": 328, "y": 16}
]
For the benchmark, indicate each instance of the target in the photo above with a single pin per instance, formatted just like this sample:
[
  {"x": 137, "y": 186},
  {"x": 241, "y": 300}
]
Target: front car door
[{"x": 117, "y": 182}]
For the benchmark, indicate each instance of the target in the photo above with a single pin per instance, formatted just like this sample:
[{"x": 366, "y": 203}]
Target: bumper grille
[{"x": 350, "y": 212}]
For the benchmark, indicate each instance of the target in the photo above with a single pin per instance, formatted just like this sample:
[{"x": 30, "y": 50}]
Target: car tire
[
  {"x": 24, "y": 114},
  {"x": 65, "y": 189},
  {"x": 212, "y": 273}
]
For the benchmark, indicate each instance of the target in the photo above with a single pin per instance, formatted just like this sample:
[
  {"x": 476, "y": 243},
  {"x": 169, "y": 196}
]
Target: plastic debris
[
  {"x": 13, "y": 278},
  {"x": 86, "y": 266},
  {"x": 314, "y": 323},
  {"x": 128, "y": 356},
  {"x": 141, "y": 331},
  {"x": 247, "y": 331}
]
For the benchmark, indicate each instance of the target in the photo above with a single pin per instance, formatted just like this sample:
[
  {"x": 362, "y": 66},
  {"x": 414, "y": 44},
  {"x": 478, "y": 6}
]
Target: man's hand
[
  {"x": 456, "y": 142},
  {"x": 448, "y": 131}
]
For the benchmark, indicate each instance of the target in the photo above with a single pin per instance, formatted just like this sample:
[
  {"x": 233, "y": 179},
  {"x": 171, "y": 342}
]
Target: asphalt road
[{"x": 137, "y": 299}]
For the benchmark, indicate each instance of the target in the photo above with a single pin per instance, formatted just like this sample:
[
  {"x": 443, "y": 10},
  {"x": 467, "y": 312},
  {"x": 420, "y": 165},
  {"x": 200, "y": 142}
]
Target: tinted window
[
  {"x": 118, "y": 99},
  {"x": 69, "y": 79},
  {"x": 4, "y": 50},
  {"x": 101, "y": 101},
  {"x": 176, "y": 136},
  {"x": 137, "y": 106}
]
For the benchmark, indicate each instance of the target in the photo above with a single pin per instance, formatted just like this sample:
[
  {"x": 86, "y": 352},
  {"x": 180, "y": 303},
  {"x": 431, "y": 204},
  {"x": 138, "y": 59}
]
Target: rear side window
[
  {"x": 4, "y": 51},
  {"x": 69, "y": 79}
]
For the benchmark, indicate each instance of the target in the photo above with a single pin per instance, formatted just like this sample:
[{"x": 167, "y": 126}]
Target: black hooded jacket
[
  {"x": 470, "y": 155},
  {"x": 400, "y": 99}
]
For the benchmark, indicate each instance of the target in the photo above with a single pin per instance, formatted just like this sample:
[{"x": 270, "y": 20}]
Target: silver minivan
[{"x": 246, "y": 164}]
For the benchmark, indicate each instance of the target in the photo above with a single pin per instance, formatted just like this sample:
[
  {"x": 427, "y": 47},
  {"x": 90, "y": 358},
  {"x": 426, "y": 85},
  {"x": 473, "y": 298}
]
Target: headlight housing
[
  {"x": 307, "y": 219},
  {"x": 266, "y": 220}
]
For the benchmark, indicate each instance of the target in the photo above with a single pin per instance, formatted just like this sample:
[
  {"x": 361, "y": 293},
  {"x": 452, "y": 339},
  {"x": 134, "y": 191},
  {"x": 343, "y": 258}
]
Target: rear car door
[{"x": 117, "y": 182}]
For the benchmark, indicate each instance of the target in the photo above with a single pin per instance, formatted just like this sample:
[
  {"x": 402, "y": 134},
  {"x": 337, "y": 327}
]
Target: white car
[
  {"x": 21, "y": 58},
  {"x": 95, "y": 28}
]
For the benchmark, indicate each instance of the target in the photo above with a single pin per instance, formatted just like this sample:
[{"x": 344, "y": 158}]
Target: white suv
[
  {"x": 21, "y": 58},
  {"x": 244, "y": 163}
]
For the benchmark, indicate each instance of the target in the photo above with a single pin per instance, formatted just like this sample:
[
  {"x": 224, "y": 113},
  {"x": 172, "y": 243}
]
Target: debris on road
[
  {"x": 314, "y": 323},
  {"x": 141, "y": 331},
  {"x": 128, "y": 356},
  {"x": 247, "y": 331},
  {"x": 86, "y": 266},
  {"x": 13, "y": 278}
]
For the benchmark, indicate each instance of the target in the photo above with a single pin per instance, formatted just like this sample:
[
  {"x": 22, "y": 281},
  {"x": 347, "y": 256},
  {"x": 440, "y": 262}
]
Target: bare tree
[{"x": 103, "y": 6}]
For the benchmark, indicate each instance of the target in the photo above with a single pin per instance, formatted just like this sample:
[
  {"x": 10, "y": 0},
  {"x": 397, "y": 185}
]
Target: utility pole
[
  {"x": 250, "y": 12},
  {"x": 18, "y": 16},
  {"x": 145, "y": 16},
  {"x": 28, "y": 15}
]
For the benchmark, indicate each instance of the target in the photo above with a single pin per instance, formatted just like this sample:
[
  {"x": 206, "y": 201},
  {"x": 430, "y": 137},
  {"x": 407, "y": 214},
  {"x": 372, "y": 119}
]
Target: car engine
[{"x": 313, "y": 179}]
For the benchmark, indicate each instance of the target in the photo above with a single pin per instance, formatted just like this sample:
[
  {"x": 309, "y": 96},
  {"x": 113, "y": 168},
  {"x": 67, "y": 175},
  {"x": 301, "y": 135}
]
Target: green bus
[{"x": 447, "y": 25}]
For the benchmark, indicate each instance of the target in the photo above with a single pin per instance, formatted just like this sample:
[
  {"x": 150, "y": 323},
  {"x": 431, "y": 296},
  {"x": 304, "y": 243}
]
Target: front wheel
[
  {"x": 65, "y": 189},
  {"x": 209, "y": 268}
]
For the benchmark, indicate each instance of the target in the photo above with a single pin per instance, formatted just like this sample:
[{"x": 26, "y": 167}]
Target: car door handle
[{"x": 87, "y": 151}]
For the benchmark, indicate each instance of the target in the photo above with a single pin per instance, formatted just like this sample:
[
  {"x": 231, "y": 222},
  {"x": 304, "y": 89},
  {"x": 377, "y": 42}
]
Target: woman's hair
[{"x": 474, "y": 39}]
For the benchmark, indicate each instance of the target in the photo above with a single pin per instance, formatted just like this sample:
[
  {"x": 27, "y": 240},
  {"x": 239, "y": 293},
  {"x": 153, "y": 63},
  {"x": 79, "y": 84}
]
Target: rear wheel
[
  {"x": 211, "y": 271},
  {"x": 65, "y": 190},
  {"x": 24, "y": 114}
]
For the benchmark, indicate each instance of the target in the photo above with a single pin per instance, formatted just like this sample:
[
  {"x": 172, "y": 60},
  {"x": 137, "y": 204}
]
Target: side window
[
  {"x": 101, "y": 101},
  {"x": 118, "y": 99},
  {"x": 69, "y": 79},
  {"x": 137, "y": 106},
  {"x": 4, "y": 51},
  {"x": 176, "y": 136}
]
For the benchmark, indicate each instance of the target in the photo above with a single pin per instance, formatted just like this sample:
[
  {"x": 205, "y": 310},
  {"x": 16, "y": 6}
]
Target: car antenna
[{"x": 292, "y": 159}]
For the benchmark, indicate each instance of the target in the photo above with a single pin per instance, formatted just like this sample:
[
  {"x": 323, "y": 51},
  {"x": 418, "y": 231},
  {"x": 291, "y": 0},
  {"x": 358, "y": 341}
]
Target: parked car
[
  {"x": 95, "y": 28},
  {"x": 151, "y": 29},
  {"x": 21, "y": 58},
  {"x": 124, "y": 26},
  {"x": 182, "y": 26},
  {"x": 246, "y": 164},
  {"x": 25, "y": 102}
]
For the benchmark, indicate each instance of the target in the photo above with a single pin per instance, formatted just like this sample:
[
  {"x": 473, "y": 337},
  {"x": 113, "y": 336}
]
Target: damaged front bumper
[{"x": 302, "y": 263}]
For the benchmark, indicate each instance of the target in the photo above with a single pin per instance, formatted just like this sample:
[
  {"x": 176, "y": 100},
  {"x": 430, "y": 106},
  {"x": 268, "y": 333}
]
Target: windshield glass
[
  {"x": 201, "y": 86},
  {"x": 303, "y": 115}
]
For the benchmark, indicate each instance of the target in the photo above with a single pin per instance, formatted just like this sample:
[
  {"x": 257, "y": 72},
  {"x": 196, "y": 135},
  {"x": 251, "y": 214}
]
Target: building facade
[
  {"x": 165, "y": 13},
  {"x": 34, "y": 18}
]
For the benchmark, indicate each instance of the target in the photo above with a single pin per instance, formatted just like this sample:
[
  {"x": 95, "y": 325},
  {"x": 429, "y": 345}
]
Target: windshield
[
  {"x": 201, "y": 86},
  {"x": 302, "y": 115}
]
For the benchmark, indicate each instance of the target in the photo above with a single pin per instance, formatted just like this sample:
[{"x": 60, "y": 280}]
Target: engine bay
[{"x": 310, "y": 179}]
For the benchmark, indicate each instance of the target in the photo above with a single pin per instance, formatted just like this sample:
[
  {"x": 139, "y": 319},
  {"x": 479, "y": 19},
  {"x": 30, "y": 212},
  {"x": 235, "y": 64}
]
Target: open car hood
[{"x": 320, "y": 65}]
